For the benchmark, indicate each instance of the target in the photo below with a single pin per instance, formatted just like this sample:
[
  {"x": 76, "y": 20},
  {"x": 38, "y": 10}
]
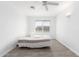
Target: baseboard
[
  {"x": 69, "y": 48},
  {"x": 5, "y": 52},
  {"x": 8, "y": 48}
]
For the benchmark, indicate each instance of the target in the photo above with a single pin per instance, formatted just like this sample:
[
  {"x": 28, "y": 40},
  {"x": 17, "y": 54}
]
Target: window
[{"x": 42, "y": 25}]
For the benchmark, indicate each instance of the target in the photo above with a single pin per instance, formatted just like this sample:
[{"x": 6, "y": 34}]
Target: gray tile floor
[{"x": 56, "y": 50}]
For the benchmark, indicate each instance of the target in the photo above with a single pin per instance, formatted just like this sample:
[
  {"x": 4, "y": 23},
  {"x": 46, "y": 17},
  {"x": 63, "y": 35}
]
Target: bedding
[{"x": 34, "y": 41}]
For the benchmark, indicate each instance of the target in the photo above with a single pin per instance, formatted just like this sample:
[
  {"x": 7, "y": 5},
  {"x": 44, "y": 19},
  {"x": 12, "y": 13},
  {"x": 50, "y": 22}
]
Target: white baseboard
[
  {"x": 5, "y": 52},
  {"x": 69, "y": 48},
  {"x": 8, "y": 48}
]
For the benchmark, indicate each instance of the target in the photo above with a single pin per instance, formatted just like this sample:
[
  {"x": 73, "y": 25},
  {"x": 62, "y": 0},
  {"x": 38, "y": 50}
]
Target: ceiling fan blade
[{"x": 52, "y": 3}]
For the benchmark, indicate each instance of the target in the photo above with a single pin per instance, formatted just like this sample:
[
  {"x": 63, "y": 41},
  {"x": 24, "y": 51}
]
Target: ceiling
[
  {"x": 36, "y": 4},
  {"x": 24, "y": 7}
]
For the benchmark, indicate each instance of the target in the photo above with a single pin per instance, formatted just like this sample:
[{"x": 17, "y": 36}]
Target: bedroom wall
[
  {"x": 67, "y": 28},
  {"x": 11, "y": 26}
]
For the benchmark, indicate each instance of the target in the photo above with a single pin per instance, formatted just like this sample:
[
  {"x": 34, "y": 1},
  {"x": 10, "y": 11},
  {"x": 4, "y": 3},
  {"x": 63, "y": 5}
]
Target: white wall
[
  {"x": 67, "y": 28},
  {"x": 11, "y": 26}
]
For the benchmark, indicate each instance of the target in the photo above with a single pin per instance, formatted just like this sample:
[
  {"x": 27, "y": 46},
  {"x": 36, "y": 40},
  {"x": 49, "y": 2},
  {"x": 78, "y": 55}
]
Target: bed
[{"x": 34, "y": 41}]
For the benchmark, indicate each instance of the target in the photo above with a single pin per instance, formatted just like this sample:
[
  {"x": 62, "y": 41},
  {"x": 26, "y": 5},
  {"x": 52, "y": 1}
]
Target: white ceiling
[
  {"x": 39, "y": 8},
  {"x": 24, "y": 7},
  {"x": 37, "y": 4}
]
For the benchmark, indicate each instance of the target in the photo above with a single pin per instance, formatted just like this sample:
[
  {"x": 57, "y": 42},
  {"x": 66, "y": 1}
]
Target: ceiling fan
[{"x": 46, "y": 3}]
